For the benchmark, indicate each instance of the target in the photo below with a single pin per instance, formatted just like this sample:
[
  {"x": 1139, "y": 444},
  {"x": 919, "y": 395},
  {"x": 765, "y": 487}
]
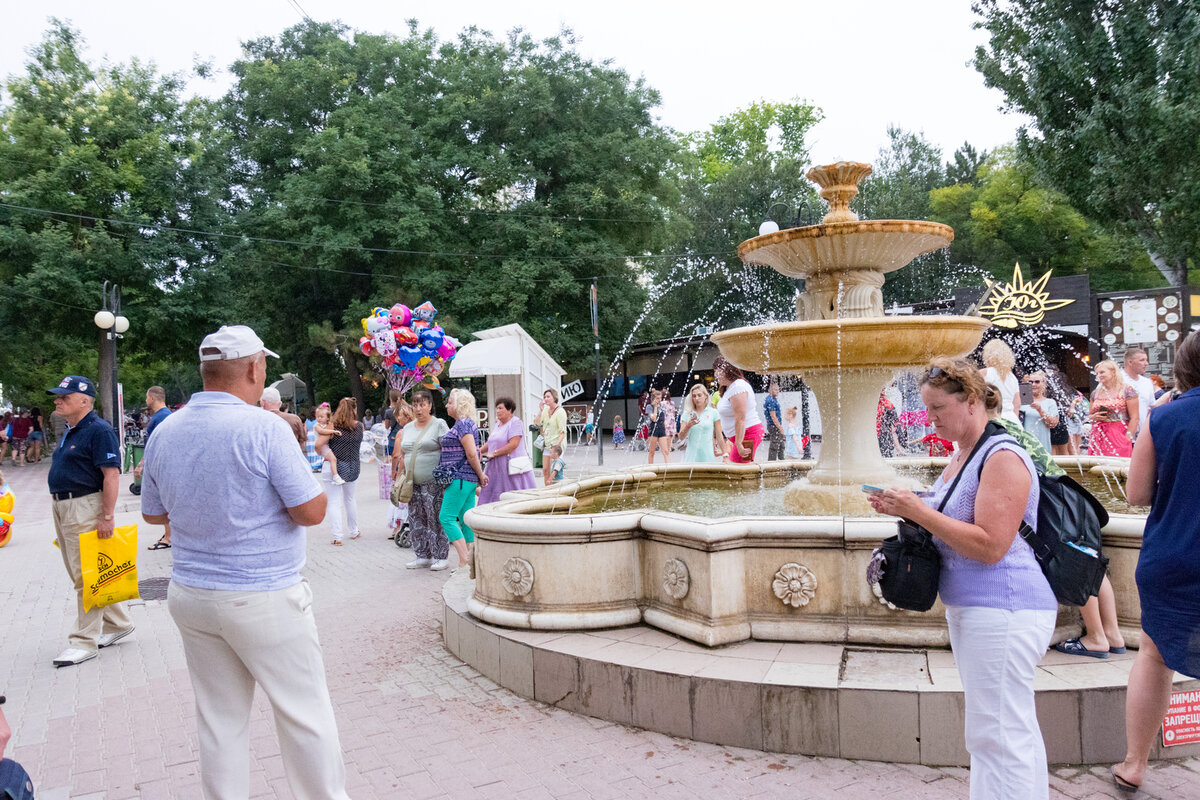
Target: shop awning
[{"x": 501, "y": 356}]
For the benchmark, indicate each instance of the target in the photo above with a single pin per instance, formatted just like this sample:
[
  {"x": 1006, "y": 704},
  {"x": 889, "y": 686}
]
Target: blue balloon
[
  {"x": 431, "y": 339},
  {"x": 408, "y": 356}
]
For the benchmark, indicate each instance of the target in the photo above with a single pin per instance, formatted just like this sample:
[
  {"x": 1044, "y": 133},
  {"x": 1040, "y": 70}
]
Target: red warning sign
[{"x": 1182, "y": 723}]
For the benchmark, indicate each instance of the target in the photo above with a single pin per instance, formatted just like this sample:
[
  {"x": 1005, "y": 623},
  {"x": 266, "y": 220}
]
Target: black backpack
[{"x": 1066, "y": 543}]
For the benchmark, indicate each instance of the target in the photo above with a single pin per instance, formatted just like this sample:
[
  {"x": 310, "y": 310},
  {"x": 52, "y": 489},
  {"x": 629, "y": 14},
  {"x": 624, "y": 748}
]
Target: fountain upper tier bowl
[
  {"x": 888, "y": 342},
  {"x": 880, "y": 245}
]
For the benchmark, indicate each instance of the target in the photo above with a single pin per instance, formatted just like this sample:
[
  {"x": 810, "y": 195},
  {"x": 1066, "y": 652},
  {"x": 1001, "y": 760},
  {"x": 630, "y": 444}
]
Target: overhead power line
[{"x": 352, "y": 248}]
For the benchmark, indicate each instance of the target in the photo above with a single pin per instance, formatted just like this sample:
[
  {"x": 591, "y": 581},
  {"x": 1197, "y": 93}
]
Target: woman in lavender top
[
  {"x": 999, "y": 607},
  {"x": 460, "y": 459},
  {"x": 506, "y": 442}
]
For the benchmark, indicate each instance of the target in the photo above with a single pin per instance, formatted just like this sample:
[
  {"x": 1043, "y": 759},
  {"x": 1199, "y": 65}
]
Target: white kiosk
[{"x": 515, "y": 366}]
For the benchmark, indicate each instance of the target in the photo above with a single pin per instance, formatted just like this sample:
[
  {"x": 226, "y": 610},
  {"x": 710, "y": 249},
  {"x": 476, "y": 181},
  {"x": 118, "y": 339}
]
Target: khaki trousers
[
  {"x": 233, "y": 640},
  {"x": 71, "y": 518}
]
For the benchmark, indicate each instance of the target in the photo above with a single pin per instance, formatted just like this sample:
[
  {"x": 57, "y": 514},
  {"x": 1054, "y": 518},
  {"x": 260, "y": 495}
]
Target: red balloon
[
  {"x": 405, "y": 335},
  {"x": 366, "y": 346}
]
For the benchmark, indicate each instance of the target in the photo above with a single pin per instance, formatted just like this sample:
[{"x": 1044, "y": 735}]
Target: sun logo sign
[{"x": 1019, "y": 302}]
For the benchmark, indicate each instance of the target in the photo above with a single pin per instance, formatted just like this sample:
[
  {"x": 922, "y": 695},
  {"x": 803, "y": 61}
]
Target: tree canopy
[{"x": 1113, "y": 91}]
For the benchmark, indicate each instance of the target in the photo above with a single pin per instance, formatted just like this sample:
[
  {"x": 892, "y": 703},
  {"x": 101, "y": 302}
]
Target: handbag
[
  {"x": 908, "y": 565},
  {"x": 402, "y": 491},
  {"x": 540, "y": 442},
  {"x": 519, "y": 465}
]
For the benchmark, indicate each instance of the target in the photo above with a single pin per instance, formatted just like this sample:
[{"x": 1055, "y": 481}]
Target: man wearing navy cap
[{"x": 83, "y": 484}]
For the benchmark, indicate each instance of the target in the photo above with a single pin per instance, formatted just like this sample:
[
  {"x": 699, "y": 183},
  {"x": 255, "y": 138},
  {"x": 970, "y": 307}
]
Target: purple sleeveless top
[{"x": 1015, "y": 582}]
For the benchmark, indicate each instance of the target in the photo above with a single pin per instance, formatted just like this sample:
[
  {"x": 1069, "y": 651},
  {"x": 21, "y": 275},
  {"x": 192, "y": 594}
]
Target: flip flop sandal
[
  {"x": 1117, "y": 650},
  {"x": 336, "y": 544},
  {"x": 1122, "y": 784},
  {"x": 1074, "y": 647},
  {"x": 159, "y": 545}
]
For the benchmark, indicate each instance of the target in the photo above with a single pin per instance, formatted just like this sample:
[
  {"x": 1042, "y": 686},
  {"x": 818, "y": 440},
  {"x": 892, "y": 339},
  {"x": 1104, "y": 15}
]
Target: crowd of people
[{"x": 243, "y": 608}]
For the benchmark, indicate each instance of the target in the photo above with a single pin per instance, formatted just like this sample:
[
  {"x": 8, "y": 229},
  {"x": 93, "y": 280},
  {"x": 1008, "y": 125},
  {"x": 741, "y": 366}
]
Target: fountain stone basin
[
  {"x": 714, "y": 581},
  {"x": 847, "y": 363}
]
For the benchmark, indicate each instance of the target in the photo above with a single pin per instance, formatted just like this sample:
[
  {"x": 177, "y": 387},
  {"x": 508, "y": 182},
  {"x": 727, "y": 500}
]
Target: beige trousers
[
  {"x": 233, "y": 640},
  {"x": 71, "y": 518}
]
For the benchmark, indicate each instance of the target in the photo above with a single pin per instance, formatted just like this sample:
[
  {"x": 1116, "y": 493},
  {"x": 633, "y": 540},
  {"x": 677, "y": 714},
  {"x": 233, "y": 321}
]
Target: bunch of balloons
[
  {"x": 411, "y": 349},
  {"x": 6, "y": 517}
]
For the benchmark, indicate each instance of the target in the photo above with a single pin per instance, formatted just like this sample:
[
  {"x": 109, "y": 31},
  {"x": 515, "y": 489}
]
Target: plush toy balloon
[
  {"x": 385, "y": 342},
  {"x": 405, "y": 335},
  {"x": 431, "y": 339},
  {"x": 365, "y": 345},
  {"x": 446, "y": 351},
  {"x": 6, "y": 521},
  {"x": 435, "y": 368},
  {"x": 376, "y": 325},
  {"x": 419, "y": 325},
  {"x": 400, "y": 315},
  {"x": 6, "y": 503},
  {"x": 379, "y": 311},
  {"x": 408, "y": 356},
  {"x": 425, "y": 312}
]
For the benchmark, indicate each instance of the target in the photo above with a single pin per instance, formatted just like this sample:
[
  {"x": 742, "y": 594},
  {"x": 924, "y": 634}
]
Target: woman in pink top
[{"x": 739, "y": 421}]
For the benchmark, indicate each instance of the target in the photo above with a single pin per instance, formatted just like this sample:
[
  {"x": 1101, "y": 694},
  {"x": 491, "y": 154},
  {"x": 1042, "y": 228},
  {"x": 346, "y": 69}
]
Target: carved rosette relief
[
  {"x": 795, "y": 584},
  {"x": 517, "y": 576},
  {"x": 676, "y": 580}
]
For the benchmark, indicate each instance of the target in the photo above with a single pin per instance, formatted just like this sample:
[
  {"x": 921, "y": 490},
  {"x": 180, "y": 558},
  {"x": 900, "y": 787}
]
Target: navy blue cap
[{"x": 73, "y": 384}]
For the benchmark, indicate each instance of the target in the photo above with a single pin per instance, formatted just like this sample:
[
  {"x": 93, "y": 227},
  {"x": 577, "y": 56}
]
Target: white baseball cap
[{"x": 232, "y": 341}]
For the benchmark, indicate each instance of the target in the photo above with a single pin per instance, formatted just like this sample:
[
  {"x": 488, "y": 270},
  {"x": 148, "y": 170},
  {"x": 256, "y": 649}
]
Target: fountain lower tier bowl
[
  {"x": 847, "y": 363},
  {"x": 889, "y": 342},
  {"x": 882, "y": 245},
  {"x": 547, "y": 560}
]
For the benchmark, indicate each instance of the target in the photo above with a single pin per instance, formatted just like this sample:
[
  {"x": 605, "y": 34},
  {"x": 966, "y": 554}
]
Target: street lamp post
[{"x": 109, "y": 320}]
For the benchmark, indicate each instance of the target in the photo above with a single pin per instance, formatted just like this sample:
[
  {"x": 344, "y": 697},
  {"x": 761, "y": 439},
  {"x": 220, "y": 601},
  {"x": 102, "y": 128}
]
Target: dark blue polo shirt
[
  {"x": 82, "y": 451},
  {"x": 158, "y": 417}
]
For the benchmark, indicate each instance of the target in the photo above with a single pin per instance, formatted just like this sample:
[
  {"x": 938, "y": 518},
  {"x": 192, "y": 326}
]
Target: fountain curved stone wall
[{"x": 713, "y": 581}]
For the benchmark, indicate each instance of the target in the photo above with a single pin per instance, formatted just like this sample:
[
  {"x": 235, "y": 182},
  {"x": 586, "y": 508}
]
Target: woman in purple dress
[{"x": 506, "y": 444}]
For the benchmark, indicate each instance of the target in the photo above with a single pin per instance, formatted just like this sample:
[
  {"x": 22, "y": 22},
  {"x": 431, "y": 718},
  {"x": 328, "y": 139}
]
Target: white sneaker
[
  {"x": 440, "y": 564},
  {"x": 72, "y": 656},
  {"x": 338, "y": 479},
  {"x": 419, "y": 563},
  {"x": 107, "y": 639}
]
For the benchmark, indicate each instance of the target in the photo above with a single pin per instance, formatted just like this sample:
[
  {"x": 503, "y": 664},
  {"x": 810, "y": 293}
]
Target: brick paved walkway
[{"x": 415, "y": 722}]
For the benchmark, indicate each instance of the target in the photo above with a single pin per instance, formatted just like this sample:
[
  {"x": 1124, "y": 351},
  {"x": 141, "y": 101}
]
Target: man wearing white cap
[{"x": 237, "y": 492}]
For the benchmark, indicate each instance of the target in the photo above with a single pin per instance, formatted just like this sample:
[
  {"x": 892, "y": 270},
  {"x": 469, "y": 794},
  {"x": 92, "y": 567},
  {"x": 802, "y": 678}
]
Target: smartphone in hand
[{"x": 1026, "y": 394}]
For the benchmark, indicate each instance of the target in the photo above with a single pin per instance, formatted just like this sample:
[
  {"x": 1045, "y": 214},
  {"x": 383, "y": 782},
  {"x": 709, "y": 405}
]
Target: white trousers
[
  {"x": 233, "y": 640},
  {"x": 997, "y": 653},
  {"x": 341, "y": 500}
]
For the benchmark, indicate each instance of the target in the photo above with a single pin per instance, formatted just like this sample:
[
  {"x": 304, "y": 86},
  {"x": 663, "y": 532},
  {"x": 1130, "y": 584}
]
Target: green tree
[
  {"x": 1113, "y": 91},
  {"x": 491, "y": 177},
  {"x": 965, "y": 164},
  {"x": 91, "y": 145},
  {"x": 749, "y": 165},
  {"x": 1008, "y": 216}
]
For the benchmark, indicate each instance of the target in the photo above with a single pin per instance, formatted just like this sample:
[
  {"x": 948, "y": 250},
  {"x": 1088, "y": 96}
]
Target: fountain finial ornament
[{"x": 839, "y": 185}]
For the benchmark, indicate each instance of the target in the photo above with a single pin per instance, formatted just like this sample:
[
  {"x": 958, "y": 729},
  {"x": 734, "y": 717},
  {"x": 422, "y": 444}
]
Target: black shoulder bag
[{"x": 911, "y": 563}]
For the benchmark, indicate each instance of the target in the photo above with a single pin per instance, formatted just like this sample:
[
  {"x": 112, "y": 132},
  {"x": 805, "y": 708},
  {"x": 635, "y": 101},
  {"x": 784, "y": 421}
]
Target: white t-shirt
[
  {"x": 1145, "y": 392},
  {"x": 725, "y": 408},
  {"x": 1008, "y": 388}
]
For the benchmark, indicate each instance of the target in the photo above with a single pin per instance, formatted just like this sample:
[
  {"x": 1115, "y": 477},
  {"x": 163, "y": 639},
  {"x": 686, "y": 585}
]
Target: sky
[{"x": 865, "y": 63}]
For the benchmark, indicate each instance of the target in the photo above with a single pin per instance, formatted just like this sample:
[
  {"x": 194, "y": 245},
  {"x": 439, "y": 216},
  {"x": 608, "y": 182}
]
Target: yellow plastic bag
[{"x": 109, "y": 567}]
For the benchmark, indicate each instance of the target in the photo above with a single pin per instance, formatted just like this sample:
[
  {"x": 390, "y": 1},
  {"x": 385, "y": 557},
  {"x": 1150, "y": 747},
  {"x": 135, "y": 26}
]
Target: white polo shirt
[
  {"x": 226, "y": 473},
  {"x": 1145, "y": 392}
]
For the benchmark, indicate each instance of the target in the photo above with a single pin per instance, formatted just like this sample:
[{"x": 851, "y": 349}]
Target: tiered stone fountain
[
  {"x": 844, "y": 347},
  {"x": 562, "y": 595}
]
